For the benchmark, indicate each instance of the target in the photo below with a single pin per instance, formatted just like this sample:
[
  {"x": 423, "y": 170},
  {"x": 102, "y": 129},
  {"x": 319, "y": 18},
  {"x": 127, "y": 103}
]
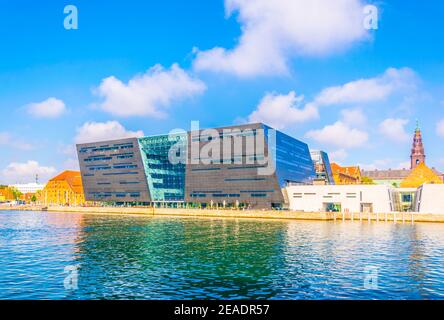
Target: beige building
[{"x": 66, "y": 189}]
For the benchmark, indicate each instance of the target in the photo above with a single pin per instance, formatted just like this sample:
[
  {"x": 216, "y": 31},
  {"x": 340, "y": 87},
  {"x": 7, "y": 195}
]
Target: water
[{"x": 129, "y": 257}]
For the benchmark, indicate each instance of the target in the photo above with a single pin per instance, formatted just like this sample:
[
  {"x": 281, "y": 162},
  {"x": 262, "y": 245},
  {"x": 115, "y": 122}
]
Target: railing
[{"x": 384, "y": 217}]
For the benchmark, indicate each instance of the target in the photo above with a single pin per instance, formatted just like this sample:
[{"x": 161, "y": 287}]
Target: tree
[
  {"x": 15, "y": 193},
  {"x": 367, "y": 180}
]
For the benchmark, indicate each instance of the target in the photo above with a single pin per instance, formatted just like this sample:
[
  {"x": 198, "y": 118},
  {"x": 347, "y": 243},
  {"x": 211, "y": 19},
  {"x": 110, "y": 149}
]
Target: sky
[{"x": 313, "y": 69}]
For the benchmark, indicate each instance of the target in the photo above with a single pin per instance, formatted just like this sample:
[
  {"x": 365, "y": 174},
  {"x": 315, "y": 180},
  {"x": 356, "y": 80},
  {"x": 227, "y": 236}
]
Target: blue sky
[{"x": 136, "y": 67}]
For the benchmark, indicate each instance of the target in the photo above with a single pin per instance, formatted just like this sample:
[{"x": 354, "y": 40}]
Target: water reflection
[
  {"x": 163, "y": 258},
  {"x": 126, "y": 257}
]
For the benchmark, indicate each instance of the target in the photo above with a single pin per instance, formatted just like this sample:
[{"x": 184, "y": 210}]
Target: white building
[
  {"x": 341, "y": 198},
  {"x": 28, "y": 187},
  {"x": 430, "y": 198}
]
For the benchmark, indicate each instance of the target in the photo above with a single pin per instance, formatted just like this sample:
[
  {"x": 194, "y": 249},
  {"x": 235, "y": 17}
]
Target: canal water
[{"x": 75, "y": 256}]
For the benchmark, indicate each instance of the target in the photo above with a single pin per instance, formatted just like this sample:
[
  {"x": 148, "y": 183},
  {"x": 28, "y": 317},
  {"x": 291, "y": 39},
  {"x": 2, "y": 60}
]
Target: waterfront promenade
[{"x": 401, "y": 217}]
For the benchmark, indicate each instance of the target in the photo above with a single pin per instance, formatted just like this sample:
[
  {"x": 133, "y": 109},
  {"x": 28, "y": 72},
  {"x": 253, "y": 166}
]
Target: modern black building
[{"x": 238, "y": 166}]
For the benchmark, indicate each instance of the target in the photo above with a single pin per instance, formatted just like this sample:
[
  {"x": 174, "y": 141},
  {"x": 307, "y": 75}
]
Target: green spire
[{"x": 417, "y": 125}]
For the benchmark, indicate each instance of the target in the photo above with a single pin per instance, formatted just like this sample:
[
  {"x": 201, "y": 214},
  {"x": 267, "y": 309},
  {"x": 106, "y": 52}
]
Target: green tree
[
  {"x": 16, "y": 194},
  {"x": 367, "y": 180}
]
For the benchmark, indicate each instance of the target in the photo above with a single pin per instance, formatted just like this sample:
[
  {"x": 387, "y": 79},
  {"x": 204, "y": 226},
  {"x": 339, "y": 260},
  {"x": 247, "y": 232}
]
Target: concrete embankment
[
  {"x": 257, "y": 214},
  {"x": 20, "y": 208},
  {"x": 401, "y": 217}
]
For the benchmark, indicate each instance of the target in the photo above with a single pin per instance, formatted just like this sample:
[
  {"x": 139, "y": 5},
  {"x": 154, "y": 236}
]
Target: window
[{"x": 259, "y": 195}]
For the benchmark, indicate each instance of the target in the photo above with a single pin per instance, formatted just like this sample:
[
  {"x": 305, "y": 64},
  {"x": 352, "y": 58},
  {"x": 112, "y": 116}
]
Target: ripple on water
[{"x": 166, "y": 258}]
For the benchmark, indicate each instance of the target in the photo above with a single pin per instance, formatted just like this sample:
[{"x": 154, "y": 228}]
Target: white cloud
[
  {"x": 102, "y": 131},
  {"x": 68, "y": 150},
  {"x": 274, "y": 31},
  {"x": 385, "y": 164},
  {"x": 285, "y": 110},
  {"x": 380, "y": 164},
  {"x": 17, "y": 172},
  {"x": 440, "y": 128},
  {"x": 6, "y": 139},
  {"x": 340, "y": 135},
  {"x": 149, "y": 94},
  {"x": 369, "y": 90},
  {"x": 279, "y": 111},
  {"x": 50, "y": 108},
  {"x": 353, "y": 117},
  {"x": 338, "y": 155},
  {"x": 71, "y": 164},
  {"x": 394, "y": 129},
  {"x": 403, "y": 165}
]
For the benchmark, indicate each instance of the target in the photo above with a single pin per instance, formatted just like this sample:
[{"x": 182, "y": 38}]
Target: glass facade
[
  {"x": 166, "y": 180},
  {"x": 293, "y": 161},
  {"x": 322, "y": 166}
]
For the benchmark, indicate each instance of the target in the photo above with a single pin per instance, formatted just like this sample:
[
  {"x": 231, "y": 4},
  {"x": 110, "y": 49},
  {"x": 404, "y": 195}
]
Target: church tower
[{"x": 418, "y": 155}]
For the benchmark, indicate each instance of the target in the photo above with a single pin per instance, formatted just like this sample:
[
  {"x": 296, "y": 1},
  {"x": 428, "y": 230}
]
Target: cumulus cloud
[
  {"x": 274, "y": 31},
  {"x": 68, "y": 150},
  {"x": 353, "y": 117},
  {"x": 285, "y": 110},
  {"x": 280, "y": 111},
  {"x": 338, "y": 155},
  {"x": 384, "y": 164},
  {"x": 339, "y": 135},
  {"x": 369, "y": 90},
  {"x": 101, "y": 131},
  {"x": 149, "y": 94},
  {"x": 25, "y": 172},
  {"x": 50, "y": 108},
  {"x": 71, "y": 164},
  {"x": 440, "y": 128},
  {"x": 394, "y": 129},
  {"x": 380, "y": 164},
  {"x": 403, "y": 165}
]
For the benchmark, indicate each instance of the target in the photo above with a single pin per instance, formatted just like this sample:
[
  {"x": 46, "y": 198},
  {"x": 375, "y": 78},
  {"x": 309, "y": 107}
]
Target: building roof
[
  {"x": 351, "y": 170},
  {"x": 73, "y": 178},
  {"x": 396, "y": 174},
  {"x": 6, "y": 192},
  {"x": 386, "y": 174},
  {"x": 420, "y": 175}
]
